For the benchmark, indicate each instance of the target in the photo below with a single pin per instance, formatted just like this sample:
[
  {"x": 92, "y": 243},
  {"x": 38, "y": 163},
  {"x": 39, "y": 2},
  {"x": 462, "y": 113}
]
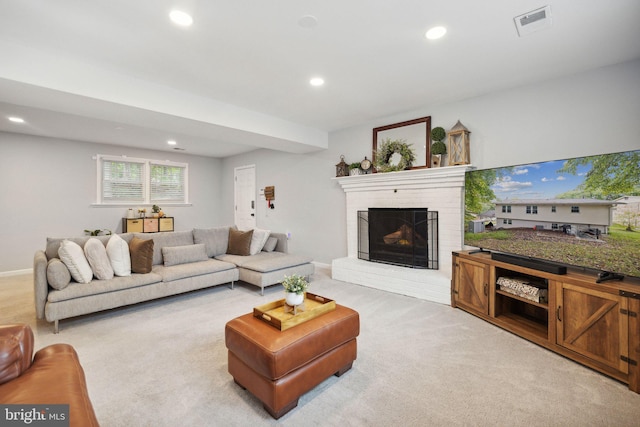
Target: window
[
  {"x": 575, "y": 209},
  {"x": 506, "y": 209},
  {"x": 553, "y": 208},
  {"x": 123, "y": 180},
  {"x": 532, "y": 209},
  {"x": 554, "y": 226}
]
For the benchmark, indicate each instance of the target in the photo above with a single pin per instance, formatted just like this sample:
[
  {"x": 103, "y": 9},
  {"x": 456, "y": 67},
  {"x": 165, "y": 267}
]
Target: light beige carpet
[{"x": 164, "y": 363}]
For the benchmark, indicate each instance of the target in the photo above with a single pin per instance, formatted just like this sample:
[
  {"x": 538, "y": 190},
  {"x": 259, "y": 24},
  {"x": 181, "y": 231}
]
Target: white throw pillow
[
  {"x": 72, "y": 255},
  {"x": 258, "y": 240},
  {"x": 118, "y": 253},
  {"x": 96, "y": 254}
]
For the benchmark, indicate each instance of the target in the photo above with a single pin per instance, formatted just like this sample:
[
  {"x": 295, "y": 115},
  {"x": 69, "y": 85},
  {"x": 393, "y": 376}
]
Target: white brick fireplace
[{"x": 438, "y": 189}]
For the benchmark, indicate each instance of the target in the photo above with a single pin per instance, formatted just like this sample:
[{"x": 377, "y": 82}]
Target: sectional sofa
[{"x": 160, "y": 264}]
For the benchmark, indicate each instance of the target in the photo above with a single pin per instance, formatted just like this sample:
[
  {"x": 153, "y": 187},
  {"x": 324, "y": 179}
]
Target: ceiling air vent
[{"x": 533, "y": 21}]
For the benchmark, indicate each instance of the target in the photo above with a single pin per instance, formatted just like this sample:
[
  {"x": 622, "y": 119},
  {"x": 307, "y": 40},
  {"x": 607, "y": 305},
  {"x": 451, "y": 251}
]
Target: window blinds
[
  {"x": 127, "y": 180},
  {"x": 122, "y": 181},
  {"x": 167, "y": 183}
]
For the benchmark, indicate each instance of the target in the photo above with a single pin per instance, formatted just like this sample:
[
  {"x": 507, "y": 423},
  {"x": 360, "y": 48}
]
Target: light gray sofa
[{"x": 262, "y": 269}]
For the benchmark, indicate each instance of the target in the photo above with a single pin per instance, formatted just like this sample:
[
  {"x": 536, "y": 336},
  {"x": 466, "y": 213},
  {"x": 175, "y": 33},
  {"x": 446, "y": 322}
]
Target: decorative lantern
[
  {"x": 342, "y": 169},
  {"x": 458, "y": 138}
]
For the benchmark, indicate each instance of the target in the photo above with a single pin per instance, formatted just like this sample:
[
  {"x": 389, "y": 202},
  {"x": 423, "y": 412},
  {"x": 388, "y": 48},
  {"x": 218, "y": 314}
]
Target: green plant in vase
[
  {"x": 294, "y": 287},
  {"x": 438, "y": 148}
]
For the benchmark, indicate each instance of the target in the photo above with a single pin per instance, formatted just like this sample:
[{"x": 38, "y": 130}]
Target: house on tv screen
[{"x": 574, "y": 216}]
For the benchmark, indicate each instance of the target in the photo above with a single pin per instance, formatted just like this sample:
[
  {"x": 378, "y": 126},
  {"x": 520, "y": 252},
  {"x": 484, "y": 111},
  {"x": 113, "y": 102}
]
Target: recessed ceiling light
[
  {"x": 171, "y": 142},
  {"x": 436, "y": 32},
  {"x": 16, "y": 119},
  {"x": 316, "y": 81},
  {"x": 181, "y": 18}
]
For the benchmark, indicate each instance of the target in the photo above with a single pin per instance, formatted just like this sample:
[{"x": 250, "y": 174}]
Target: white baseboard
[{"x": 16, "y": 272}]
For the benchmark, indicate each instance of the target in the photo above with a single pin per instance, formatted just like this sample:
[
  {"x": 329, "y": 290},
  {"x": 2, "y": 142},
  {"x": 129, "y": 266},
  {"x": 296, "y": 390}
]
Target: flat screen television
[{"x": 580, "y": 213}]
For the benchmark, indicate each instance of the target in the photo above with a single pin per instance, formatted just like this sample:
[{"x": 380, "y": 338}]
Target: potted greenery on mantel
[{"x": 438, "y": 148}]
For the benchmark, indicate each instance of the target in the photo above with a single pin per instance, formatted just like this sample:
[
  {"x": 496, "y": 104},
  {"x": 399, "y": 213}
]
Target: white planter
[
  {"x": 354, "y": 172},
  {"x": 294, "y": 299}
]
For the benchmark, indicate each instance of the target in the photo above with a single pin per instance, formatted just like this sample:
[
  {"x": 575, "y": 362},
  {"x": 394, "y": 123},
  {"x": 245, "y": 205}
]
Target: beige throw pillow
[
  {"x": 258, "y": 240},
  {"x": 73, "y": 257},
  {"x": 96, "y": 254},
  {"x": 119, "y": 257}
]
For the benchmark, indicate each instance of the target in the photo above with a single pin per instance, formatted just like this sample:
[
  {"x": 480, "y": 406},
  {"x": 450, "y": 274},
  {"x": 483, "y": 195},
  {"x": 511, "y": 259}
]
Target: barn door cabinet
[{"x": 595, "y": 324}]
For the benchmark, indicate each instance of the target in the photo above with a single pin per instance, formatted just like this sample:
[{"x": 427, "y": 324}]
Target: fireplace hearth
[{"x": 400, "y": 236}]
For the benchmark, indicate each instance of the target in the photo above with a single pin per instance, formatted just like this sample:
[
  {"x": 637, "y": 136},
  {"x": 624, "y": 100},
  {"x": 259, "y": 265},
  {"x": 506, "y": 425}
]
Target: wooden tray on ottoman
[{"x": 274, "y": 312}]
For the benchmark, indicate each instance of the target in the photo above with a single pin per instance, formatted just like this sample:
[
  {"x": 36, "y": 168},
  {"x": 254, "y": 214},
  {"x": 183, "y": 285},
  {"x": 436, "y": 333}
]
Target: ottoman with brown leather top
[{"x": 280, "y": 366}]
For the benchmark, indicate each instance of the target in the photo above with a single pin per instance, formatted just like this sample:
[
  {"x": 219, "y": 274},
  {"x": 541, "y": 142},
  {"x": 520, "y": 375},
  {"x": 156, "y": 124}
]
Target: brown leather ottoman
[{"x": 279, "y": 367}]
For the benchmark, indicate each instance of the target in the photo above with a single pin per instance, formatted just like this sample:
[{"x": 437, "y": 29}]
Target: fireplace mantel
[
  {"x": 438, "y": 189},
  {"x": 416, "y": 178}
]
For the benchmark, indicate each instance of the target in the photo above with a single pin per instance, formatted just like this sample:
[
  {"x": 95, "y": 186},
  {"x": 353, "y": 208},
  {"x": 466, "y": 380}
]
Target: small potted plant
[
  {"x": 438, "y": 148},
  {"x": 354, "y": 168},
  {"x": 294, "y": 287},
  {"x": 157, "y": 212}
]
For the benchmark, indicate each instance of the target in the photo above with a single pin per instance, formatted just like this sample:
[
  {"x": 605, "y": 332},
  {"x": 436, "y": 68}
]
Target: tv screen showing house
[{"x": 582, "y": 212}]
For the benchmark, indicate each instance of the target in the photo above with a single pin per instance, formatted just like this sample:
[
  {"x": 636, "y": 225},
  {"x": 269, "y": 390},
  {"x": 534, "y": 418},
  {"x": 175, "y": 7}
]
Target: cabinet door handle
[
  {"x": 486, "y": 289},
  {"x": 558, "y": 313}
]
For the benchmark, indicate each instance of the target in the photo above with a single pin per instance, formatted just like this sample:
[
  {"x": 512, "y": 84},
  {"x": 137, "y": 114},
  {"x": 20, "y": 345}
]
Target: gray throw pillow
[
  {"x": 58, "y": 274},
  {"x": 271, "y": 244},
  {"x": 176, "y": 255}
]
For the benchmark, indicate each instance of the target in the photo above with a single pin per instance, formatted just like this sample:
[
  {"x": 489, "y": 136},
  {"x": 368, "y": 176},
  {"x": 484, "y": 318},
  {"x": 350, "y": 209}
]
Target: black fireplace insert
[{"x": 399, "y": 236}]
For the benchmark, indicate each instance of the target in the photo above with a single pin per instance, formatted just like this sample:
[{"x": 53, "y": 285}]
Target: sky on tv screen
[{"x": 538, "y": 181}]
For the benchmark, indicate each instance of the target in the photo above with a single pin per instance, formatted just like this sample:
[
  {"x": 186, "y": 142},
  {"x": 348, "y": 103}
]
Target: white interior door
[{"x": 245, "y": 197}]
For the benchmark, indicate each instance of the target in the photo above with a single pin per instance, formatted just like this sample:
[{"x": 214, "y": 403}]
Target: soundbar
[{"x": 545, "y": 266}]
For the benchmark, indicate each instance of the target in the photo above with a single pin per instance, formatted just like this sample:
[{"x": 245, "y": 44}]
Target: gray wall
[
  {"x": 48, "y": 185},
  {"x": 585, "y": 114}
]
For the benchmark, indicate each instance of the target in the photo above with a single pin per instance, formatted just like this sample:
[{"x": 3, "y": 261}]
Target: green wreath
[{"x": 388, "y": 149}]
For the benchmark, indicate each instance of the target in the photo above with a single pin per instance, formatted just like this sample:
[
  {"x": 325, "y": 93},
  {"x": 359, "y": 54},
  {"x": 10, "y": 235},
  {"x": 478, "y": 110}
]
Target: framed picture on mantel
[{"x": 413, "y": 132}]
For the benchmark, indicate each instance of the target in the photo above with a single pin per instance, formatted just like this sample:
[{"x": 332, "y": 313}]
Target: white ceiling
[{"x": 119, "y": 72}]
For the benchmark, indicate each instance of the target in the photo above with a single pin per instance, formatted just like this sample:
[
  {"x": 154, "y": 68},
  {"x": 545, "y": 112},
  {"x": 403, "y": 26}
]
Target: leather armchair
[{"x": 52, "y": 376}]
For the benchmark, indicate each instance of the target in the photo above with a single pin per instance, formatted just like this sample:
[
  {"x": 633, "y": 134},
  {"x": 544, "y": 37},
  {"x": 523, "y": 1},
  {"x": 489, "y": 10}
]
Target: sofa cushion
[
  {"x": 58, "y": 275},
  {"x": 96, "y": 254},
  {"x": 73, "y": 257},
  {"x": 258, "y": 239},
  {"x": 141, "y": 255},
  {"x": 215, "y": 240},
  {"x": 181, "y": 271},
  {"x": 176, "y": 255},
  {"x": 270, "y": 245},
  {"x": 162, "y": 240},
  {"x": 266, "y": 261},
  {"x": 239, "y": 242},
  {"x": 119, "y": 256},
  {"x": 79, "y": 290}
]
